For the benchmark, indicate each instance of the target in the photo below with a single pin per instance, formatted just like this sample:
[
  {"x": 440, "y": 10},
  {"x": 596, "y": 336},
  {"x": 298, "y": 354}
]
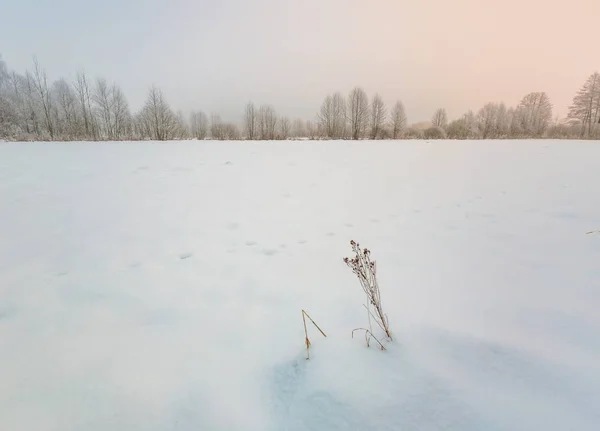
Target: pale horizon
[{"x": 217, "y": 56}]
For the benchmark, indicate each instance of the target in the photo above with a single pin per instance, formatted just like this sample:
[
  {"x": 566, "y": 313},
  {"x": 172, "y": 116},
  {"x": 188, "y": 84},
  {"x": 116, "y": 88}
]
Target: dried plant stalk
[
  {"x": 368, "y": 335},
  {"x": 366, "y": 271},
  {"x": 306, "y": 340}
]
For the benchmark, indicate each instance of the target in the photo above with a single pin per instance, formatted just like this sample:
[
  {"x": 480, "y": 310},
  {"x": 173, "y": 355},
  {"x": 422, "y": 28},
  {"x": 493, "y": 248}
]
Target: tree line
[{"x": 33, "y": 108}]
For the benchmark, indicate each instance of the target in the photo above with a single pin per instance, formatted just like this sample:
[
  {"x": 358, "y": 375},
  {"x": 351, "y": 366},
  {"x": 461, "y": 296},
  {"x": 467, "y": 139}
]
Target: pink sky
[{"x": 216, "y": 55}]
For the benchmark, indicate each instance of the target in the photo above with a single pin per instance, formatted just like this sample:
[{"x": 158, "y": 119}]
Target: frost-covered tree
[
  {"x": 157, "y": 120},
  {"x": 8, "y": 106},
  {"x": 458, "y": 129},
  {"x": 534, "y": 114},
  {"x": 440, "y": 118},
  {"x": 230, "y": 132},
  {"x": 65, "y": 108},
  {"x": 503, "y": 119},
  {"x": 112, "y": 109},
  {"x": 40, "y": 83},
  {"x": 267, "y": 123},
  {"x": 378, "y": 116},
  {"x": 492, "y": 121},
  {"x": 397, "y": 120},
  {"x": 199, "y": 125},
  {"x": 102, "y": 104},
  {"x": 183, "y": 128},
  {"x": 299, "y": 128},
  {"x": 332, "y": 117},
  {"x": 250, "y": 121},
  {"x": 84, "y": 97},
  {"x": 270, "y": 121},
  {"x": 358, "y": 112},
  {"x": 285, "y": 128},
  {"x": 339, "y": 116},
  {"x": 325, "y": 117},
  {"x": 434, "y": 132},
  {"x": 217, "y": 131},
  {"x": 466, "y": 127},
  {"x": 586, "y": 106}
]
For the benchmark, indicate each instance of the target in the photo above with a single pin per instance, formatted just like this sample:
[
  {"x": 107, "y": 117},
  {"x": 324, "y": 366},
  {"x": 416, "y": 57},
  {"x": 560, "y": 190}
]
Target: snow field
[{"x": 154, "y": 286}]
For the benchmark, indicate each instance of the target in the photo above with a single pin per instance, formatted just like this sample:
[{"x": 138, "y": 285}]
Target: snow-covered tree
[
  {"x": 332, "y": 117},
  {"x": 65, "y": 109},
  {"x": 466, "y": 127},
  {"x": 397, "y": 120},
  {"x": 40, "y": 84},
  {"x": 534, "y": 114},
  {"x": 358, "y": 112},
  {"x": 250, "y": 121},
  {"x": 84, "y": 98},
  {"x": 440, "y": 118},
  {"x": 586, "y": 106},
  {"x": 285, "y": 128},
  {"x": 493, "y": 121},
  {"x": 378, "y": 116},
  {"x": 199, "y": 125},
  {"x": 8, "y": 108},
  {"x": 157, "y": 120},
  {"x": 299, "y": 128}
]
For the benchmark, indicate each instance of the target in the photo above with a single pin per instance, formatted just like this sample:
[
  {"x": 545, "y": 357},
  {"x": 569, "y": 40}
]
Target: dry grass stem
[
  {"x": 368, "y": 335},
  {"x": 366, "y": 271},
  {"x": 306, "y": 339}
]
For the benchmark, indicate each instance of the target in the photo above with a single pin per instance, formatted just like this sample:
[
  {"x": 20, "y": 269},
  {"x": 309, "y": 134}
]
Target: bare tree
[
  {"x": 230, "y": 132},
  {"x": 397, "y": 120},
  {"x": 440, "y": 118},
  {"x": 434, "y": 132},
  {"x": 267, "y": 123},
  {"x": 270, "y": 119},
  {"x": 586, "y": 106},
  {"x": 325, "y": 117},
  {"x": 332, "y": 116},
  {"x": 378, "y": 116},
  {"x": 66, "y": 102},
  {"x": 299, "y": 129},
  {"x": 466, "y": 127},
  {"x": 183, "y": 129},
  {"x": 486, "y": 118},
  {"x": 339, "y": 116},
  {"x": 262, "y": 123},
  {"x": 503, "y": 118},
  {"x": 216, "y": 127},
  {"x": 84, "y": 97},
  {"x": 199, "y": 125},
  {"x": 312, "y": 130},
  {"x": 535, "y": 114},
  {"x": 40, "y": 82},
  {"x": 157, "y": 119},
  {"x": 8, "y": 104},
  {"x": 120, "y": 115},
  {"x": 113, "y": 110},
  {"x": 250, "y": 121},
  {"x": 285, "y": 128},
  {"x": 101, "y": 98},
  {"x": 33, "y": 105},
  {"x": 358, "y": 107}
]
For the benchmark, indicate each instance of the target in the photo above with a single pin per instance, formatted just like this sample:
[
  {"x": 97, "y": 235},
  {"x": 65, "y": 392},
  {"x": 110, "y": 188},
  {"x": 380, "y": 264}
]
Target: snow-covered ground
[{"x": 159, "y": 286}]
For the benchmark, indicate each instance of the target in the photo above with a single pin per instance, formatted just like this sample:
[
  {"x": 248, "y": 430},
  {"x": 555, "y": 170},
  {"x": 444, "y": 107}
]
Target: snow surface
[{"x": 158, "y": 286}]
